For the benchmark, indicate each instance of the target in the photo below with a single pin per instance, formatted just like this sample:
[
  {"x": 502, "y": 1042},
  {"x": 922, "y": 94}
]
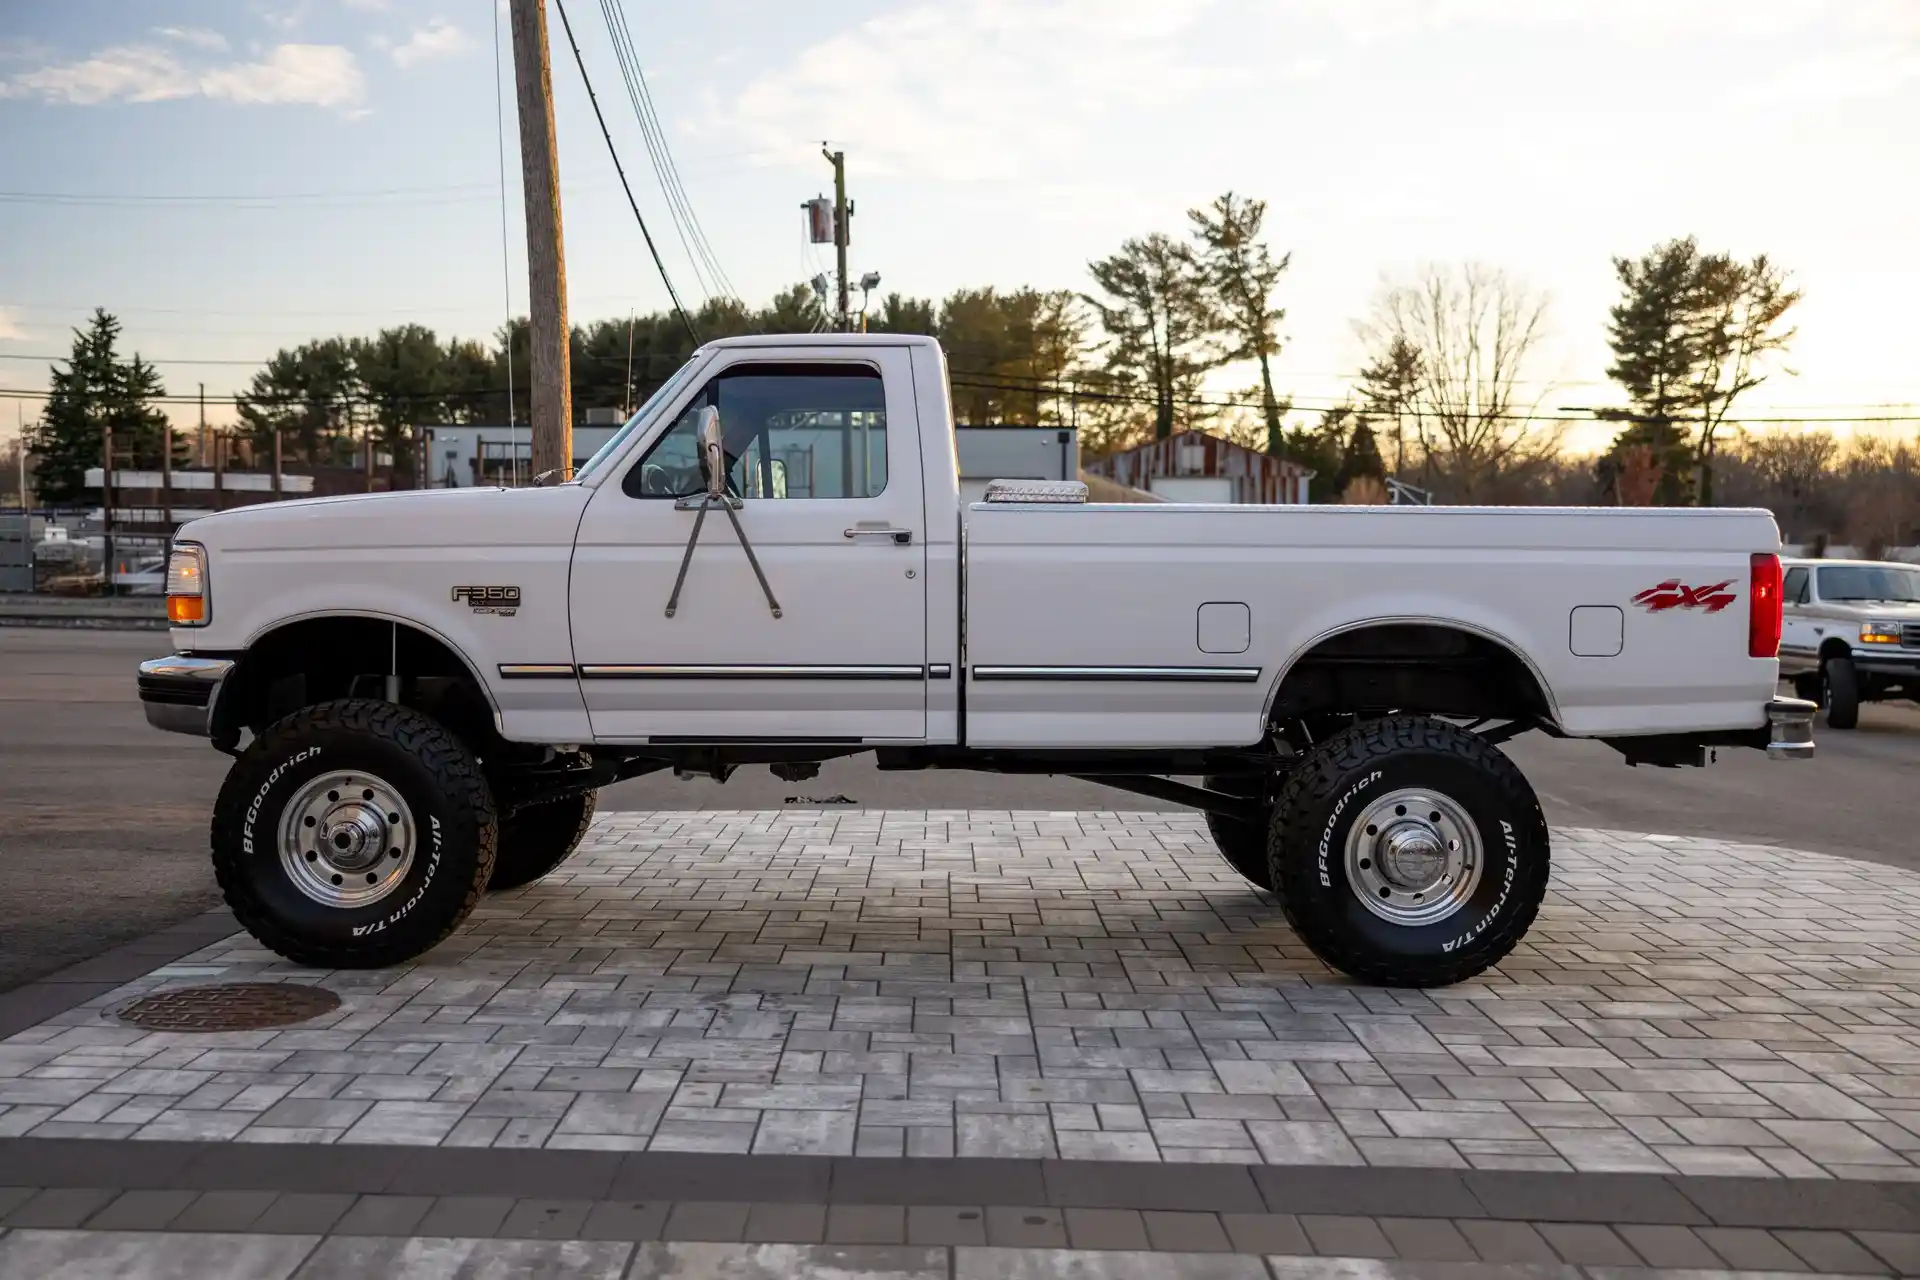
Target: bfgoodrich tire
[
  {"x": 537, "y": 839},
  {"x": 353, "y": 835},
  {"x": 1409, "y": 852},
  {"x": 1242, "y": 844}
]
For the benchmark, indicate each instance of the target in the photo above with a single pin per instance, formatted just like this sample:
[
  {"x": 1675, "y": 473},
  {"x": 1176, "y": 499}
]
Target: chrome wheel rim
[
  {"x": 347, "y": 839},
  {"x": 1414, "y": 856}
]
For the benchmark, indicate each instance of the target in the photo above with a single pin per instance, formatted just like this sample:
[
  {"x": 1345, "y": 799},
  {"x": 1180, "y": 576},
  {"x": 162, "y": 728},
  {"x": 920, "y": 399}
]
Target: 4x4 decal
[{"x": 1673, "y": 594}]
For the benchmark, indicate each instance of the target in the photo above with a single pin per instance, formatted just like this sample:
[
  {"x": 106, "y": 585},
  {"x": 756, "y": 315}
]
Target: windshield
[
  {"x": 1870, "y": 582},
  {"x": 618, "y": 440}
]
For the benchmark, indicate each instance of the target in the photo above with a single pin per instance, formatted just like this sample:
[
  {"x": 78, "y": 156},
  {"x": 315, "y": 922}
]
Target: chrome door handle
[{"x": 900, "y": 537}]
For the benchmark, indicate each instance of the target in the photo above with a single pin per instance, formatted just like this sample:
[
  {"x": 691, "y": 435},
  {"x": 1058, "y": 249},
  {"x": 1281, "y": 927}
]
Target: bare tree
[{"x": 1476, "y": 330}]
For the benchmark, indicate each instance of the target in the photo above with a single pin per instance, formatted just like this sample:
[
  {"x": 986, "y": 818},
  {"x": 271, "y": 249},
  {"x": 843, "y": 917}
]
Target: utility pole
[
  {"x": 203, "y": 424},
  {"x": 546, "y": 265},
  {"x": 106, "y": 510},
  {"x": 841, "y": 218},
  {"x": 166, "y": 476},
  {"x": 20, "y": 429}
]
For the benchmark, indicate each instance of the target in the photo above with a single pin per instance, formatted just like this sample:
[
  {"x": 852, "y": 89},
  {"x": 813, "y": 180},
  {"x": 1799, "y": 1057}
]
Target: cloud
[
  {"x": 438, "y": 39},
  {"x": 1648, "y": 22},
  {"x": 10, "y": 327},
  {"x": 198, "y": 37},
  {"x": 306, "y": 74},
  {"x": 982, "y": 89},
  {"x": 1862, "y": 73}
]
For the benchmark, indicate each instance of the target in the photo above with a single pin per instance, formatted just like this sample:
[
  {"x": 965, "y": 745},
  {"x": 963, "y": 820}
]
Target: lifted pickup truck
[{"x": 770, "y": 565}]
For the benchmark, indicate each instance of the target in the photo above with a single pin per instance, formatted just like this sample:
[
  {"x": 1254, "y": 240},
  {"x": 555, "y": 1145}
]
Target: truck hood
[{"x": 410, "y": 518}]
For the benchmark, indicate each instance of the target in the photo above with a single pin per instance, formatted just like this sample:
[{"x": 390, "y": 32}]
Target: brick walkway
[{"x": 1089, "y": 986}]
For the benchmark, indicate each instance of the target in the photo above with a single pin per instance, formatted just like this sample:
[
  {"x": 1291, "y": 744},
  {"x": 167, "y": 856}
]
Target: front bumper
[
  {"x": 1790, "y": 729},
  {"x": 180, "y": 692},
  {"x": 1888, "y": 662}
]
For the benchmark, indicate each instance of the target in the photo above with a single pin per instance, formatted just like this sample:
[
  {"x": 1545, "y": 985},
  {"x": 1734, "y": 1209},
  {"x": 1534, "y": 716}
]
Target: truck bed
[{"x": 1149, "y": 601}]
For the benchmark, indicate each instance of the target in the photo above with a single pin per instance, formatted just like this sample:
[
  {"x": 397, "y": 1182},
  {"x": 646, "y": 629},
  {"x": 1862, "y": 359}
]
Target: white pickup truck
[{"x": 422, "y": 691}]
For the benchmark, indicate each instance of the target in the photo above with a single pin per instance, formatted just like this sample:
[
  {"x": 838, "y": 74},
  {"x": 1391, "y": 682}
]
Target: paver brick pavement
[{"x": 1057, "y": 985}]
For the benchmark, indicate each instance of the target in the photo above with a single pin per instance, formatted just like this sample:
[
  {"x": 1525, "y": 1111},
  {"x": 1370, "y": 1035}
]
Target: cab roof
[{"x": 821, "y": 340}]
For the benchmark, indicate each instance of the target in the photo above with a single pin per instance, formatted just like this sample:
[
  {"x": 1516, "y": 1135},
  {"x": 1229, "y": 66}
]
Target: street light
[{"x": 868, "y": 283}]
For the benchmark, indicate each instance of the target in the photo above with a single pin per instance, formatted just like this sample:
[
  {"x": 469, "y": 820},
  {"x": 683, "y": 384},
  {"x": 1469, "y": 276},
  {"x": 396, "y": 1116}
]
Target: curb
[{"x": 33, "y": 1002}]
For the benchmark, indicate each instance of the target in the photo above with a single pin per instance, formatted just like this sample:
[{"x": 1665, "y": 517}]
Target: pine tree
[
  {"x": 1241, "y": 274},
  {"x": 1361, "y": 463},
  {"x": 1690, "y": 335},
  {"x": 96, "y": 390}
]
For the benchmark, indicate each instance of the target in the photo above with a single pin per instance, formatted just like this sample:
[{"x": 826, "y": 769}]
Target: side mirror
[{"x": 713, "y": 453}]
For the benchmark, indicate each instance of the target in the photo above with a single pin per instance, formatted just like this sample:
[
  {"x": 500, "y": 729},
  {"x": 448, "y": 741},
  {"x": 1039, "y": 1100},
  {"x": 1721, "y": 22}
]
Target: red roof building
[{"x": 1192, "y": 466}]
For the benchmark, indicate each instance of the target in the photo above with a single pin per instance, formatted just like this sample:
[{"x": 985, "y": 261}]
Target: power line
[
  {"x": 593, "y": 98},
  {"x": 506, "y": 253},
  {"x": 692, "y": 237},
  {"x": 653, "y": 154},
  {"x": 990, "y": 381}
]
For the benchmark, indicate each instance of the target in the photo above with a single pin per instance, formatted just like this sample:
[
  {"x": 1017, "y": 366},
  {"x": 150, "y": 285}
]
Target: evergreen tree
[
  {"x": 1322, "y": 448},
  {"x": 1390, "y": 392},
  {"x": 96, "y": 390},
  {"x": 1361, "y": 460},
  {"x": 1240, "y": 275},
  {"x": 1160, "y": 323},
  {"x": 305, "y": 393},
  {"x": 1690, "y": 335}
]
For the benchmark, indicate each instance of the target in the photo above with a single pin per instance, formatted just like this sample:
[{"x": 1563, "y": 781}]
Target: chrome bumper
[
  {"x": 1790, "y": 729},
  {"x": 180, "y": 692}
]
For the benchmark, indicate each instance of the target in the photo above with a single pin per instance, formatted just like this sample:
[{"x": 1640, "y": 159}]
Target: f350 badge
[
  {"x": 1674, "y": 594},
  {"x": 503, "y": 602}
]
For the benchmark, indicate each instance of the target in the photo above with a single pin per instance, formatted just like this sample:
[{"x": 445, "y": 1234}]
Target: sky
[{"x": 234, "y": 176}]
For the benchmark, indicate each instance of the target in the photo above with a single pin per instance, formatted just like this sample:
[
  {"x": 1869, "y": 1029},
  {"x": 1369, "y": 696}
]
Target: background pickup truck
[
  {"x": 430, "y": 686},
  {"x": 1851, "y": 634}
]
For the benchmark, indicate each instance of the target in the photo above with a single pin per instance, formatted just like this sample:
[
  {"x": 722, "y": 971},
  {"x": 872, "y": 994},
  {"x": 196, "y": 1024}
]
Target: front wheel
[
  {"x": 1840, "y": 693},
  {"x": 539, "y": 838},
  {"x": 1409, "y": 852},
  {"x": 353, "y": 835}
]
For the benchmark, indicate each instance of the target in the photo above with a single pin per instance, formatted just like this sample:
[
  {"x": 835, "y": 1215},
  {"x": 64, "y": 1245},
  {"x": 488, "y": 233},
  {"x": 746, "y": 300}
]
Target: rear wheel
[
  {"x": 1840, "y": 693},
  {"x": 1409, "y": 852},
  {"x": 537, "y": 839},
  {"x": 353, "y": 834},
  {"x": 1242, "y": 844}
]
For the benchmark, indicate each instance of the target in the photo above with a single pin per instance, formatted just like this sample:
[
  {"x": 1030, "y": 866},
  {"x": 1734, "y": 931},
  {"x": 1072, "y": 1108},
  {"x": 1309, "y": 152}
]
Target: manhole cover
[{"x": 232, "y": 1006}]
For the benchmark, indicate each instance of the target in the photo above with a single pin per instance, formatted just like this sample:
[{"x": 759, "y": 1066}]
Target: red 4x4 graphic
[{"x": 1673, "y": 594}]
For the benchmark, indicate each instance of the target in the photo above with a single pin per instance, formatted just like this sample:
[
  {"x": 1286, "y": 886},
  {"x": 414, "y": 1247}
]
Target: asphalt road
[{"x": 103, "y": 820}]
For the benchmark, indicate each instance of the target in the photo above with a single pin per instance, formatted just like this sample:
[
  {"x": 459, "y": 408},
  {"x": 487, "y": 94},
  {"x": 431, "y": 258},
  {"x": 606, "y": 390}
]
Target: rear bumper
[
  {"x": 180, "y": 692},
  {"x": 1790, "y": 729}
]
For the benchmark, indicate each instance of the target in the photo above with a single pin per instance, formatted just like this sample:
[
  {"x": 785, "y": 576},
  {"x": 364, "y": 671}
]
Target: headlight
[
  {"x": 187, "y": 586},
  {"x": 1879, "y": 633}
]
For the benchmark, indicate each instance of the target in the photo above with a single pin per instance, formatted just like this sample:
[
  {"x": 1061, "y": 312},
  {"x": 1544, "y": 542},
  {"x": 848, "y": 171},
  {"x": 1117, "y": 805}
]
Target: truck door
[
  {"x": 823, "y": 455},
  {"x": 1798, "y": 643}
]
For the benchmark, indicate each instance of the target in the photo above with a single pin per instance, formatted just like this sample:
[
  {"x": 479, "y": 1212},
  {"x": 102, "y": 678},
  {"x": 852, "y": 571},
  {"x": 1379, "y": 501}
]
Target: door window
[
  {"x": 1796, "y": 592},
  {"x": 790, "y": 431}
]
